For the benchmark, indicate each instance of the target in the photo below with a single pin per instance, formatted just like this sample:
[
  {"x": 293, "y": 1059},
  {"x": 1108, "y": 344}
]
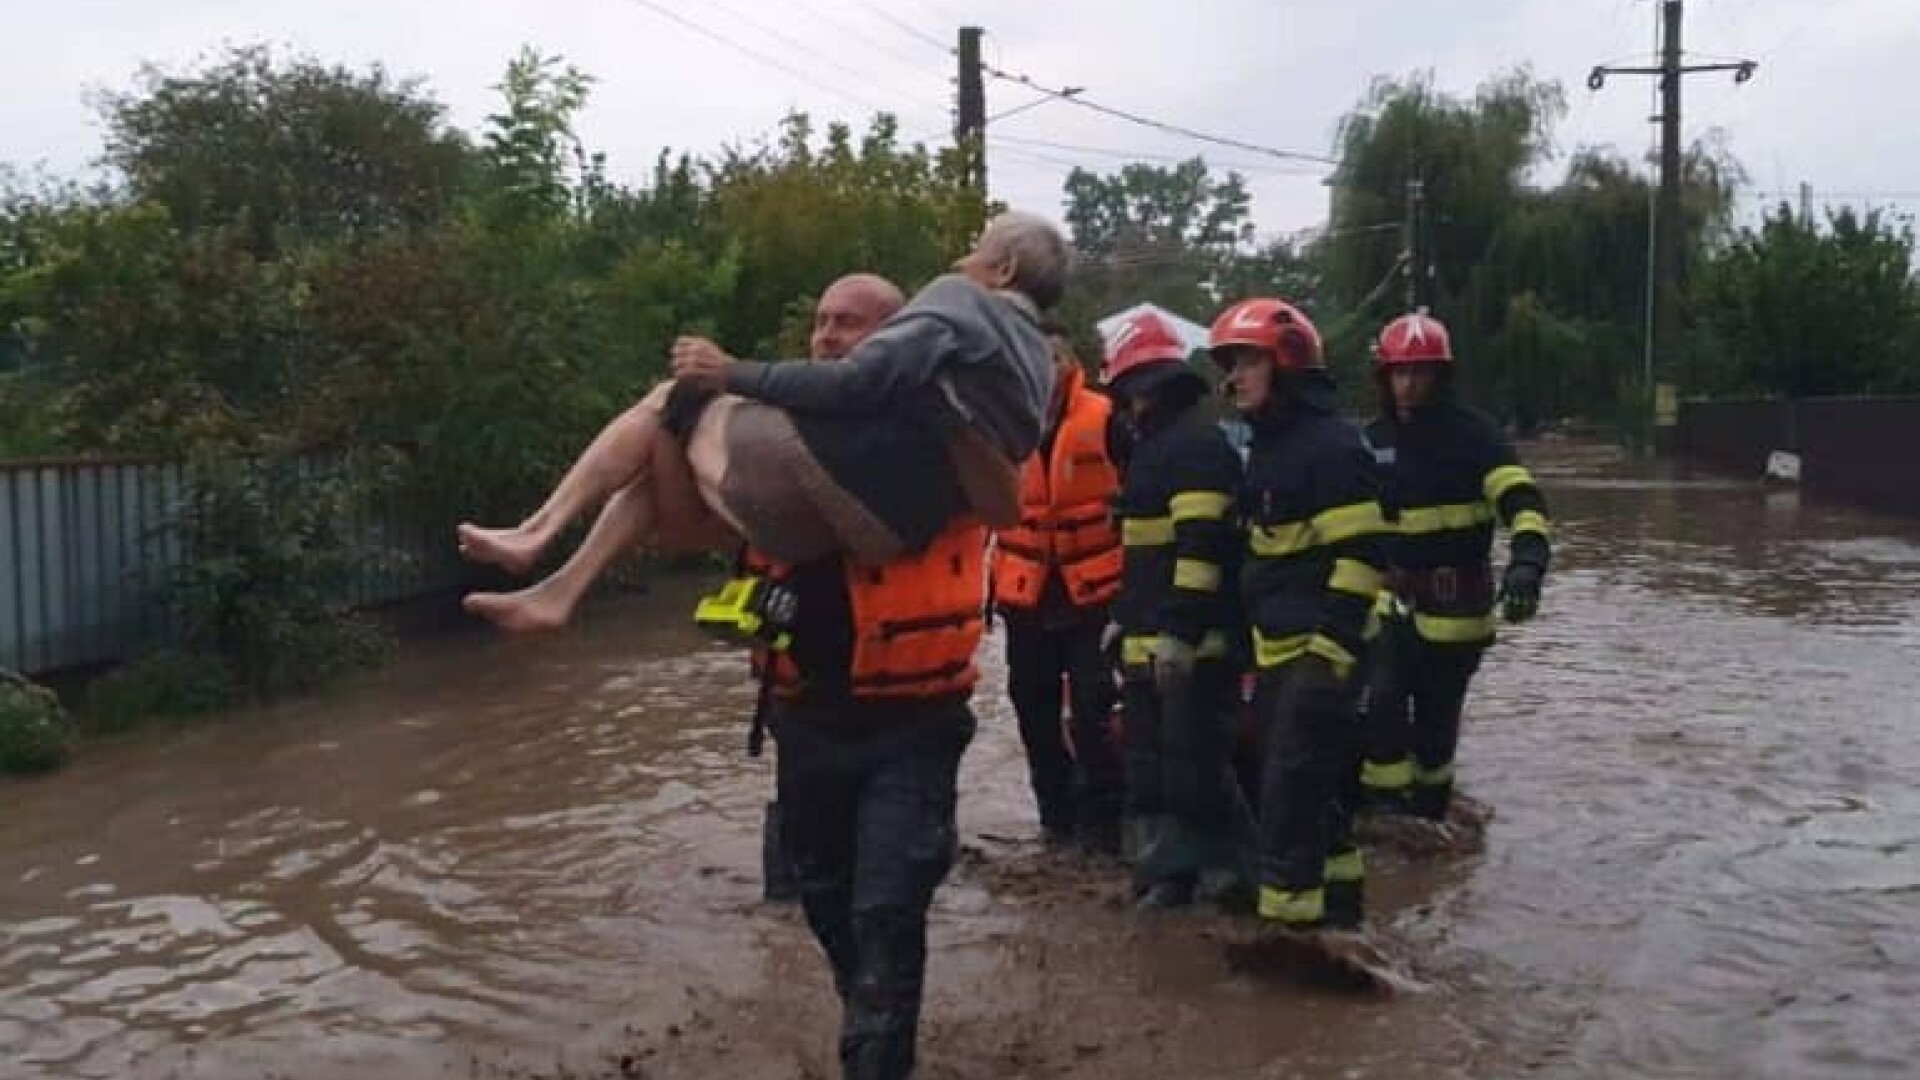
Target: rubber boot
[
  {"x": 776, "y": 873},
  {"x": 1346, "y": 904},
  {"x": 1431, "y": 801}
]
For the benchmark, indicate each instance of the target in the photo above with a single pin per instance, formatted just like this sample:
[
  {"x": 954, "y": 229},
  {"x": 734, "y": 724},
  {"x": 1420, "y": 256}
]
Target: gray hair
[{"x": 1042, "y": 258}]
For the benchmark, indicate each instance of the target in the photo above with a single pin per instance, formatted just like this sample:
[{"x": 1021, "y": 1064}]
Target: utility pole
[
  {"x": 970, "y": 122},
  {"x": 1668, "y": 241}
]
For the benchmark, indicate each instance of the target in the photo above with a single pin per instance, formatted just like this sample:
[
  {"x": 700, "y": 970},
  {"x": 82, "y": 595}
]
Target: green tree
[
  {"x": 1803, "y": 310},
  {"x": 267, "y": 144}
]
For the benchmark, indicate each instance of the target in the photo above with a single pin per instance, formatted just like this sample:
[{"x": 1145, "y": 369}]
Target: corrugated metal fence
[
  {"x": 1849, "y": 447},
  {"x": 84, "y": 546}
]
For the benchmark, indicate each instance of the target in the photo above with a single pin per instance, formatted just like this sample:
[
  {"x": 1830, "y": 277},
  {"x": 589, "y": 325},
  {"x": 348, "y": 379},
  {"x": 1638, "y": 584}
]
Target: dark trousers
[
  {"x": 1179, "y": 753},
  {"x": 1310, "y": 778},
  {"x": 1079, "y": 791},
  {"x": 867, "y": 820},
  {"x": 1415, "y": 698}
]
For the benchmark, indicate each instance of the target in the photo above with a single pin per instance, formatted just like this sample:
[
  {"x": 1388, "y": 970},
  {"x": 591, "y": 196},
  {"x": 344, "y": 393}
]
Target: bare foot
[
  {"x": 514, "y": 550},
  {"x": 535, "y": 608}
]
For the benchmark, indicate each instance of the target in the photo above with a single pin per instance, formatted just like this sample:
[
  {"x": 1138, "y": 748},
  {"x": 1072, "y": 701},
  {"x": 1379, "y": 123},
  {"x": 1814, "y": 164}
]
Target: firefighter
[
  {"x": 1448, "y": 476},
  {"x": 1175, "y": 621},
  {"x": 866, "y": 674},
  {"x": 1053, "y": 578},
  {"x": 1312, "y": 574}
]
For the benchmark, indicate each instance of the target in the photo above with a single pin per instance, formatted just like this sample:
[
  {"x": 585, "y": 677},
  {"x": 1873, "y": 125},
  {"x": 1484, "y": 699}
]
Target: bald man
[{"x": 851, "y": 308}]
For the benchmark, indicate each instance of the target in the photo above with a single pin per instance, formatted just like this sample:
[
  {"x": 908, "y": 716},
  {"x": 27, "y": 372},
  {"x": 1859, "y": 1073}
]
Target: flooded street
[{"x": 518, "y": 858}]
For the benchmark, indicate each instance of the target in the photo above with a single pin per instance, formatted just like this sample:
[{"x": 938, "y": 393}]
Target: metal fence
[
  {"x": 84, "y": 545},
  {"x": 1849, "y": 447}
]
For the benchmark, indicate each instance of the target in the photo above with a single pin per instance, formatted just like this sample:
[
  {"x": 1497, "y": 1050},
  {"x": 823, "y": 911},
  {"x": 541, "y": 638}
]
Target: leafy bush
[{"x": 35, "y": 733}]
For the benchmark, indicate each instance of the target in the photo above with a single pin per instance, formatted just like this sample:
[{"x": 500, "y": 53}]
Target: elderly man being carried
[{"x": 925, "y": 421}]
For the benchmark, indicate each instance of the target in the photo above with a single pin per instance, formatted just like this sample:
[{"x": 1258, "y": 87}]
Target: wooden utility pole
[
  {"x": 1669, "y": 240},
  {"x": 970, "y": 121}
]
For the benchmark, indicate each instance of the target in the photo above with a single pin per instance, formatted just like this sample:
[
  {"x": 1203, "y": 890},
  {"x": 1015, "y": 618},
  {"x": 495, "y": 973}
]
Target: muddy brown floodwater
[{"x": 512, "y": 858}]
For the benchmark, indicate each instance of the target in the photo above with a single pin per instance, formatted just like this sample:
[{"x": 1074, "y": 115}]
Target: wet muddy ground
[{"x": 523, "y": 858}]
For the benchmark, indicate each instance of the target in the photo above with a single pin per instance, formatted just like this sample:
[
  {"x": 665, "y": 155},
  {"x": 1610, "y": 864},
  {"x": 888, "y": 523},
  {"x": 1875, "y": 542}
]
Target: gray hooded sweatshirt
[{"x": 958, "y": 355}]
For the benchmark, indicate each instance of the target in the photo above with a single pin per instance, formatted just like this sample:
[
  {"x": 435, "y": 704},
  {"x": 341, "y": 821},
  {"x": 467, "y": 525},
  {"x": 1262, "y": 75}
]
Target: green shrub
[
  {"x": 35, "y": 733},
  {"x": 164, "y": 684}
]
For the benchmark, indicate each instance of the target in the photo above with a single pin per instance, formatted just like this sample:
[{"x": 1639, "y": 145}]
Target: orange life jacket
[
  {"x": 1066, "y": 518},
  {"x": 916, "y": 622}
]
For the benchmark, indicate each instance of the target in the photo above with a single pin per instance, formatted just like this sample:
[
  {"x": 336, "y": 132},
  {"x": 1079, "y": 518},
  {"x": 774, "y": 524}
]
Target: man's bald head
[{"x": 849, "y": 310}]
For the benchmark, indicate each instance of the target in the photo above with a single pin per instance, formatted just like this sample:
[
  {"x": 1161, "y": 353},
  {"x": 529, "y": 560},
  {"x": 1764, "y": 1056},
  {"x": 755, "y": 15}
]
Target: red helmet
[
  {"x": 1275, "y": 326},
  {"x": 1141, "y": 342},
  {"x": 1418, "y": 338}
]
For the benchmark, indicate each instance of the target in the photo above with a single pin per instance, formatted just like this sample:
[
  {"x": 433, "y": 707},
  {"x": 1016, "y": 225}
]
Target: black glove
[{"x": 1520, "y": 592}]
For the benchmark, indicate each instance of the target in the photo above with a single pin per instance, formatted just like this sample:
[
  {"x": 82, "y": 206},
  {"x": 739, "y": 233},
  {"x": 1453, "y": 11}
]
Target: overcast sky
[{"x": 1826, "y": 106}]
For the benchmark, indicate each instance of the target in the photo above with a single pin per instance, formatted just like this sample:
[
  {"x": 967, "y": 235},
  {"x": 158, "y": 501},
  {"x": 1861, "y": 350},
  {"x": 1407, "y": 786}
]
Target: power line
[
  {"x": 755, "y": 55},
  {"x": 862, "y": 77},
  {"x": 856, "y": 31},
  {"x": 908, "y": 28},
  {"x": 1158, "y": 125},
  {"x": 1141, "y": 155}
]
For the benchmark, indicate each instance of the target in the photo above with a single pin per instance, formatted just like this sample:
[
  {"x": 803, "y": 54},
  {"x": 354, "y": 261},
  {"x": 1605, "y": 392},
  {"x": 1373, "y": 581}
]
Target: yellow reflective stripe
[
  {"x": 1439, "y": 776},
  {"x": 1419, "y": 520},
  {"x": 1277, "y": 540},
  {"x": 1530, "y": 521},
  {"x": 1333, "y": 652},
  {"x": 1454, "y": 630},
  {"x": 1343, "y": 523},
  {"x": 1136, "y": 649},
  {"x": 1196, "y": 574},
  {"x": 1504, "y": 479},
  {"x": 1272, "y": 652},
  {"x": 1386, "y": 776},
  {"x": 1340, "y": 524},
  {"x": 1356, "y": 577},
  {"x": 1146, "y": 532},
  {"x": 1290, "y": 906},
  {"x": 1199, "y": 505},
  {"x": 1345, "y": 868}
]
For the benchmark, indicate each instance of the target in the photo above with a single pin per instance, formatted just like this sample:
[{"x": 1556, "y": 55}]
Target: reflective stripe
[
  {"x": 1356, "y": 577},
  {"x": 1530, "y": 521},
  {"x": 1272, "y": 652},
  {"x": 1277, "y": 540},
  {"x": 1448, "y": 517},
  {"x": 1438, "y": 776},
  {"x": 1345, "y": 867},
  {"x": 1504, "y": 479},
  {"x": 1199, "y": 505},
  {"x": 1146, "y": 532},
  {"x": 1289, "y": 906},
  {"x": 1338, "y": 525},
  {"x": 1452, "y": 630},
  {"x": 1389, "y": 776},
  {"x": 1196, "y": 574},
  {"x": 1137, "y": 649},
  {"x": 1344, "y": 523}
]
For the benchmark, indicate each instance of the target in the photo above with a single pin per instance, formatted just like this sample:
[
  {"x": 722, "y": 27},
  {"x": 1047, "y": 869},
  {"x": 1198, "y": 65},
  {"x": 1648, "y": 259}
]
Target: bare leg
[
  {"x": 623, "y": 522},
  {"x": 666, "y": 515},
  {"x": 615, "y": 458}
]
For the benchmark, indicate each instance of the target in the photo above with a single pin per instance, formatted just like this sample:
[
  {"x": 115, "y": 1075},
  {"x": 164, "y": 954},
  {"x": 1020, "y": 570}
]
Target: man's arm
[
  {"x": 1349, "y": 521},
  {"x": 881, "y": 371}
]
